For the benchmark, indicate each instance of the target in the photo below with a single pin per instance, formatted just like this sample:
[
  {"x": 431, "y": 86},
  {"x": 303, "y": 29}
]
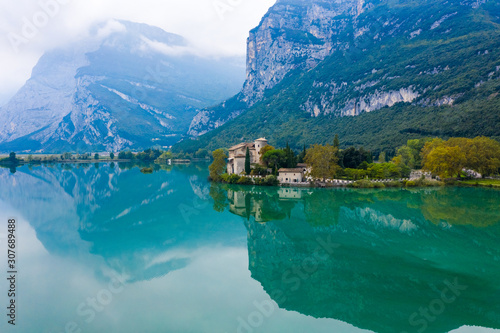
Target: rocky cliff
[
  {"x": 312, "y": 63},
  {"x": 293, "y": 35}
]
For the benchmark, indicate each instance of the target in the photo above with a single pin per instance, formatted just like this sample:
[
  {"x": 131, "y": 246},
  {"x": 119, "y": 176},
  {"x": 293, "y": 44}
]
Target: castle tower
[{"x": 259, "y": 144}]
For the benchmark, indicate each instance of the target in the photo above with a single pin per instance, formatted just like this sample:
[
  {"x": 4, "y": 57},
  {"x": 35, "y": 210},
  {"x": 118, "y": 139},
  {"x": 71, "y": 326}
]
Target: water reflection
[
  {"x": 114, "y": 213},
  {"x": 376, "y": 259},
  {"x": 196, "y": 256}
]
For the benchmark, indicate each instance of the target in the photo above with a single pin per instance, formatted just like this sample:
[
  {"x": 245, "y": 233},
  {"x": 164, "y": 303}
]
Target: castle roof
[
  {"x": 297, "y": 170},
  {"x": 243, "y": 145}
]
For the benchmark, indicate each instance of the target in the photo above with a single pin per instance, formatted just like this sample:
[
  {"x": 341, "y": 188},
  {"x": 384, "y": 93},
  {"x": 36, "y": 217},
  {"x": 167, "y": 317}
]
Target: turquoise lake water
[{"x": 105, "y": 248}]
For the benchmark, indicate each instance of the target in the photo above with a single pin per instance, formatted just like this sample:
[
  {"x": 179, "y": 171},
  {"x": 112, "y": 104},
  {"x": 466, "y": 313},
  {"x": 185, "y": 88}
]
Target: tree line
[{"x": 445, "y": 159}]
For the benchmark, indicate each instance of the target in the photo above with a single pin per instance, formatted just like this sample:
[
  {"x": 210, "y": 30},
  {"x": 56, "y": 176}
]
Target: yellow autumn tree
[
  {"x": 480, "y": 154},
  {"x": 323, "y": 161},
  {"x": 429, "y": 146},
  {"x": 483, "y": 155},
  {"x": 446, "y": 162}
]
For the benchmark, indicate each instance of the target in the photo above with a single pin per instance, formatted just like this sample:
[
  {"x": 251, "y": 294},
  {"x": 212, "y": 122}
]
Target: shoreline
[
  {"x": 93, "y": 161},
  {"x": 339, "y": 183},
  {"x": 363, "y": 183}
]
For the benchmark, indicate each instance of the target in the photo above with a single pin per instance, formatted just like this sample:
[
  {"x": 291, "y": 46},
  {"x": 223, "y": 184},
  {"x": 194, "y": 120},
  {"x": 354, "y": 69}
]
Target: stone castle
[{"x": 236, "y": 160}]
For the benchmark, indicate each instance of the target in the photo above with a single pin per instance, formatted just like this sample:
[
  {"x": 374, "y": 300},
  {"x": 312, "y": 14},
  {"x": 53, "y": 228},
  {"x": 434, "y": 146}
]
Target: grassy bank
[{"x": 481, "y": 183}]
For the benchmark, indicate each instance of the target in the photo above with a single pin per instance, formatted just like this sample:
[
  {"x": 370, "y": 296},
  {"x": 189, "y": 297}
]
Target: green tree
[
  {"x": 275, "y": 158},
  {"x": 290, "y": 158},
  {"x": 201, "y": 153},
  {"x": 163, "y": 159},
  {"x": 264, "y": 150},
  {"x": 405, "y": 170},
  {"x": 416, "y": 147},
  {"x": 218, "y": 166},
  {"x": 302, "y": 155},
  {"x": 149, "y": 155},
  {"x": 112, "y": 155},
  {"x": 96, "y": 156},
  {"x": 336, "y": 141},
  {"x": 12, "y": 157},
  {"x": 352, "y": 157},
  {"x": 382, "y": 158},
  {"x": 407, "y": 157},
  {"x": 248, "y": 167},
  {"x": 126, "y": 155},
  {"x": 384, "y": 171},
  {"x": 323, "y": 161}
]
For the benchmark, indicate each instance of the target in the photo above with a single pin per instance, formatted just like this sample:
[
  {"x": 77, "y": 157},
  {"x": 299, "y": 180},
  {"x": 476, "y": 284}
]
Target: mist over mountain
[{"x": 125, "y": 85}]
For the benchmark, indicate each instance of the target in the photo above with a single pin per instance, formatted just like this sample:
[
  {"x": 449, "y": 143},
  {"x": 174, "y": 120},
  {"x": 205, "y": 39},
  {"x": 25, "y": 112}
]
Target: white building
[
  {"x": 291, "y": 176},
  {"x": 236, "y": 160}
]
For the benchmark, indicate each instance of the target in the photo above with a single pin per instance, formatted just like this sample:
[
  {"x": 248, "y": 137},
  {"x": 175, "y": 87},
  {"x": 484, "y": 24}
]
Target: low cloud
[
  {"x": 212, "y": 27},
  {"x": 169, "y": 50},
  {"x": 111, "y": 27}
]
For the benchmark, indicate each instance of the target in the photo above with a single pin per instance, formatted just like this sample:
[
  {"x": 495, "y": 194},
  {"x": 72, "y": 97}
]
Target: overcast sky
[{"x": 216, "y": 27}]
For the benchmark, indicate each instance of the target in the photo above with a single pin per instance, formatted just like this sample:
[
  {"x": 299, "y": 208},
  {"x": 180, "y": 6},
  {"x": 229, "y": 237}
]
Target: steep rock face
[
  {"x": 45, "y": 99},
  {"x": 366, "y": 103},
  {"x": 317, "y": 68},
  {"x": 126, "y": 85},
  {"x": 295, "y": 34}
]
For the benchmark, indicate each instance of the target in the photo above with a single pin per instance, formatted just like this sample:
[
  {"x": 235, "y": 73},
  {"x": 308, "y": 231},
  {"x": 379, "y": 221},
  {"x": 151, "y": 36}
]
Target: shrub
[
  {"x": 355, "y": 174},
  {"x": 425, "y": 182},
  {"x": 270, "y": 180},
  {"x": 224, "y": 178},
  {"x": 126, "y": 155},
  {"x": 366, "y": 184},
  {"x": 245, "y": 181},
  {"x": 230, "y": 179},
  {"x": 410, "y": 183},
  {"x": 259, "y": 170}
]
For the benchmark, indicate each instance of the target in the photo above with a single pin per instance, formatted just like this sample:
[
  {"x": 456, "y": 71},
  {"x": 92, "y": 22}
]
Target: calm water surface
[{"x": 108, "y": 249}]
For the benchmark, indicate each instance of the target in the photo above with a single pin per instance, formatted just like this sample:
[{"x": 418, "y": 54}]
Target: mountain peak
[
  {"x": 125, "y": 84},
  {"x": 316, "y": 68},
  {"x": 119, "y": 29}
]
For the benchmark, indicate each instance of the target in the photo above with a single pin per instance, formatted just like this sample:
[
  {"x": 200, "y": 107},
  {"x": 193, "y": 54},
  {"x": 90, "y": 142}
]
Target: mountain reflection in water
[{"x": 377, "y": 259}]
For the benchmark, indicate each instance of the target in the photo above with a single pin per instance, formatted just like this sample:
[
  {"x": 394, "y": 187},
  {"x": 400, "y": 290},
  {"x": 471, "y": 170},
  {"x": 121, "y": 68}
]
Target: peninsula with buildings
[{"x": 421, "y": 162}]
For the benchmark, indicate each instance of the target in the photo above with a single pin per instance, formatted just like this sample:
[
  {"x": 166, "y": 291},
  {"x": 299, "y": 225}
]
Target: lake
[{"x": 105, "y": 248}]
